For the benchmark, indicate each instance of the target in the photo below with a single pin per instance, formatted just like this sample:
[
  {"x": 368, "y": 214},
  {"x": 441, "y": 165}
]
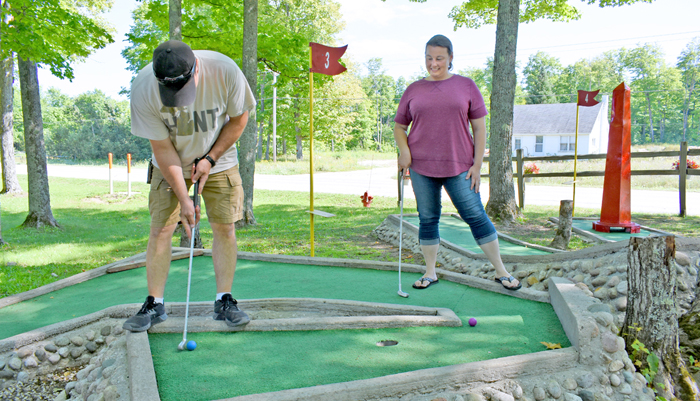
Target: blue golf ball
[{"x": 191, "y": 345}]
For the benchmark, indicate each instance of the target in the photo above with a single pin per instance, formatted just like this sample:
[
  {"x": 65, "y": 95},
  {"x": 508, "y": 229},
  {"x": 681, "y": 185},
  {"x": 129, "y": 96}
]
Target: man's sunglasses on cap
[{"x": 175, "y": 80}]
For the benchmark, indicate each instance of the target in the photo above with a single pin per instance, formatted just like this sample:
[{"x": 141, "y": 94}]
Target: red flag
[
  {"x": 326, "y": 60},
  {"x": 587, "y": 99}
]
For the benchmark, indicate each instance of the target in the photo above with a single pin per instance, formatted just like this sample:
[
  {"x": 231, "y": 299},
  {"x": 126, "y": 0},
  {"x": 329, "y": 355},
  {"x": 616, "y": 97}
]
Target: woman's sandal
[
  {"x": 428, "y": 279},
  {"x": 509, "y": 279}
]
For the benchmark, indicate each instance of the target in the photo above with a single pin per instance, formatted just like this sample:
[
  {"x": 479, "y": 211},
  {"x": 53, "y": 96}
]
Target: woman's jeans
[{"x": 428, "y": 191}]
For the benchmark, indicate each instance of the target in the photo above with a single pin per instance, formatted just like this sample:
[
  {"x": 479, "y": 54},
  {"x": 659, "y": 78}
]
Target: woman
[{"x": 441, "y": 152}]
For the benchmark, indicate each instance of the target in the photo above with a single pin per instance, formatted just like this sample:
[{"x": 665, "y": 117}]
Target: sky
[{"x": 396, "y": 31}]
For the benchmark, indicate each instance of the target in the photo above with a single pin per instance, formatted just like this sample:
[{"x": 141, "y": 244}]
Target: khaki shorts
[{"x": 222, "y": 193}]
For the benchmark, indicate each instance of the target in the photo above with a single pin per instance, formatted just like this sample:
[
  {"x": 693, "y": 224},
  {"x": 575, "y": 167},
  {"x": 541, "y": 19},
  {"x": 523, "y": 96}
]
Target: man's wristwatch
[{"x": 211, "y": 161}]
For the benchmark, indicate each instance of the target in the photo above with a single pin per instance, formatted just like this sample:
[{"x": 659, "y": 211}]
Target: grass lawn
[{"x": 98, "y": 228}]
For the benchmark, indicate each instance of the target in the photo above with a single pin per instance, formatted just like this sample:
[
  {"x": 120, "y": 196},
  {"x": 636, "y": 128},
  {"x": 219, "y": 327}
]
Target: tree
[
  {"x": 247, "y": 142},
  {"x": 541, "y": 74},
  {"x": 40, "y": 214},
  {"x": 10, "y": 184},
  {"x": 689, "y": 64},
  {"x": 54, "y": 33}
]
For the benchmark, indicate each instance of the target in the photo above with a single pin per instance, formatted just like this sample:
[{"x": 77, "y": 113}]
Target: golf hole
[{"x": 387, "y": 343}]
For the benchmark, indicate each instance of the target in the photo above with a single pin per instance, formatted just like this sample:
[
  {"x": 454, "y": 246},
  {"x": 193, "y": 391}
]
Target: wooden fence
[{"x": 682, "y": 173}]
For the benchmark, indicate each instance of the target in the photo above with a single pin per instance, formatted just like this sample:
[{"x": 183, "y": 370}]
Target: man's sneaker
[
  {"x": 227, "y": 309},
  {"x": 150, "y": 314}
]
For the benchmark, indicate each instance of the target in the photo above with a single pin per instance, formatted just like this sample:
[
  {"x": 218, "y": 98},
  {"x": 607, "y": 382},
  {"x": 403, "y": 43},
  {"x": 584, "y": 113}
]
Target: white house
[{"x": 550, "y": 129}]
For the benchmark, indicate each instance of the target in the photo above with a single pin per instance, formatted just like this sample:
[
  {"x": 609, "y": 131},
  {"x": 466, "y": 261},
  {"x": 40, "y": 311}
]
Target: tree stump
[
  {"x": 563, "y": 234},
  {"x": 652, "y": 316}
]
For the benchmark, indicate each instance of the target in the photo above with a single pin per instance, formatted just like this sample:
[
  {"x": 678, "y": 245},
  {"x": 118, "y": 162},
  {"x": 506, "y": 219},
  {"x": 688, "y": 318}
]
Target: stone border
[{"x": 599, "y": 238}]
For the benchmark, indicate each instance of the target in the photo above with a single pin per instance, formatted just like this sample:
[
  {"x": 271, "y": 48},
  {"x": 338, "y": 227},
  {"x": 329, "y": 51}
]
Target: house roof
[{"x": 553, "y": 118}]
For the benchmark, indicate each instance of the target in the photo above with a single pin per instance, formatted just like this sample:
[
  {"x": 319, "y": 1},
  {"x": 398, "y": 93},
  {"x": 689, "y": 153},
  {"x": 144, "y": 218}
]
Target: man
[{"x": 192, "y": 106}]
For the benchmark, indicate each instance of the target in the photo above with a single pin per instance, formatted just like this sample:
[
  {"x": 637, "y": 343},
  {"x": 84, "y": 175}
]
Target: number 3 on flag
[{"x": 326, "y": 60}]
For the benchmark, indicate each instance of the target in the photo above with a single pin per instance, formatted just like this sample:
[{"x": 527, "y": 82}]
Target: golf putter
[
  {"x": 401, "y": 293},
  {"x": 183, "y": 345}
]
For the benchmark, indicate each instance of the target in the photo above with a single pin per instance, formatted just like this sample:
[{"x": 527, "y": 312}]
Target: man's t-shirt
[
  {"x": 222, "y": 92},
  {"x": 440, "y": 141}
]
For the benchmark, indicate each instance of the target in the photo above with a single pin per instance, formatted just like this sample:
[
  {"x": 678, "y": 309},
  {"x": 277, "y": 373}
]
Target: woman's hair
[{"x": 441, "y": 41}]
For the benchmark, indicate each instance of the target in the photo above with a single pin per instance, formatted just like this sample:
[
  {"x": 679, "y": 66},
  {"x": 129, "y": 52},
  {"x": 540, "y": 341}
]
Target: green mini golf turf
[
  {"x": 457, "y": 232},
  {"x": 617, "y": 235},
  {"x": 230, "y": 364}
]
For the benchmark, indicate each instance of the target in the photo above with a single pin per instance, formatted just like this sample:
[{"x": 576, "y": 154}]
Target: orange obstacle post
[
  {"x": 128, "y": 173},
  {"x": 111, "y": 187},
  {"x": 616, "y": 210}
]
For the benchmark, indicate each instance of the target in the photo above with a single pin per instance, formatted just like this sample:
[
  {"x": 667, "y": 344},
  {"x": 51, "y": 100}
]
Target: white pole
[{"x": 274, "y": 117}]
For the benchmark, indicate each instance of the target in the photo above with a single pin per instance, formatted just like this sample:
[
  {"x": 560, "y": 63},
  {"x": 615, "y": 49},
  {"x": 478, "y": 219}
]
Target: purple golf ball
[
  {"x": 472, "y": 322},
  {"x": 191, "y": 345}
]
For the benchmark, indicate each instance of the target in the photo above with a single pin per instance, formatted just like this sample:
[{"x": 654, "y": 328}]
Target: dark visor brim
[{"x": 178, "y": 96}]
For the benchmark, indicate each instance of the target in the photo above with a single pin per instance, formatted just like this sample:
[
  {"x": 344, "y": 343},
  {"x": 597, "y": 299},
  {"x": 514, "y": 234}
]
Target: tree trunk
[
  {"x": 300, "y": 149},
  {"x": 563, "y": 235},
  {"x": 175, "y": 19},
  {"x": 37, "y": 175},
  {"x": 501, "y": 204},
  {"x": 247, "y": 142},
  {"x": 10, "y": 184},
  {"x": 652, "y": 315}
]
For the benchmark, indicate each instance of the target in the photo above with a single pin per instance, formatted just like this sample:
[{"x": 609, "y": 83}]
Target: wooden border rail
[{"x": 682, "y": 173}]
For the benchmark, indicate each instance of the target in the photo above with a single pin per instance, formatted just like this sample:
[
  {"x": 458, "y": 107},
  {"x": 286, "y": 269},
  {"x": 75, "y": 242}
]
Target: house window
[
  {"x": 518, "y": 144},
  {"x": 539, "y": 143},
  {"x": 567, "y": 143}
]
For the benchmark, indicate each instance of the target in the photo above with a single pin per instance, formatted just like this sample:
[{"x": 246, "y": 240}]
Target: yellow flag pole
[
  {"x": 311, "y": 147},
  {"x": 573, "y": 206}
]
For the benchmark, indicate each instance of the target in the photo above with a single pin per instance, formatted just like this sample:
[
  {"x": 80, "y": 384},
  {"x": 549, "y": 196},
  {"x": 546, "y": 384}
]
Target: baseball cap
[{"x": 173, "y": 65}]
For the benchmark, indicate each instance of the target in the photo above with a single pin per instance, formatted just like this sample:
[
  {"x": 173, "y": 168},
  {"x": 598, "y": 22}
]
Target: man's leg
[
  {"x": 224, "y": 252},
  {"x": 158, "y": 256}
]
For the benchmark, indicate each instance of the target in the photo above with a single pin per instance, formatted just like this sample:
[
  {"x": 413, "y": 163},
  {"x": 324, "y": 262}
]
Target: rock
[
  {"x": 7, "y": 374},
  {"x": 77, "y": 352},
  {"x": 77, "y": 341},
  {"x": 616, "y": 366},
  {"x": 54, "y": 358},
  {"x": 605, "y": 319},
  {"x": 625, "y": 389},
  {"x": 31, "y": 362},
  {"x": 604, "y": 379},
  {"x": 615, "y": 380},
  {"x": 517, "y": 391},
  {"x": 599, "y": 281},
  {"x": 599, "y": 307},
  {"x": 532, "y": 280},
  {"x": 579, "y": 278},
  {"x": 62, "y": 341},
  {"x": 22, "y": 377},
  {"x": 622, "y": 288},
  {"x": 586, "y": 395},
  {"x": 91, "y": 346},
  {"x": 593, "y": 272},
  {"x": 609, "y": 341},
  {"x": 613, "y": 282},
  {"x": 629, "y": 377},
  {"x": 50, "y": 347},
  {"x": 117, "y": 330},
  {"x": 90, "y": 335},
  {"x": 554, "y": 389},
  {"x": 601, "y": 293},
  {"x": 539, "y": 393},
  {"x": 15, "y": 363},
  {"x": 2, "y": 364},
  {"x": 682, "y": 259},
  {"x": 570, "y": 384},
  {"x": 23, "y": 353},
  {"x": 496, "y": 395},
  {"x": 621, "y": 303},
  {"x": 585, "y": 381},
  {"x": 111, "y": 393},
  {"x": 62, "y": 396},
  {"x": 40, "y": 354},
  {"x": 106, "y": 330},
  {"x": 108, "y": 362},
  {"x": 571, "y": 397},
  {"x": 612, "y": 293},
  {"x": 64, "y": 352},
  {"x": 94, "y": 374},
  {"x": 107, "y": 372}
]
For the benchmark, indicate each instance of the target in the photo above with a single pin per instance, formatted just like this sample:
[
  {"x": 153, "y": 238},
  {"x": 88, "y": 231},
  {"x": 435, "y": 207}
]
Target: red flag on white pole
[
  {"x": 587, "y": 99},
  {"x": 326, "y": 60}
]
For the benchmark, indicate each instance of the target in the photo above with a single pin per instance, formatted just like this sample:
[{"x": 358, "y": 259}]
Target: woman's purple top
[{"x": 440, "y": 141}]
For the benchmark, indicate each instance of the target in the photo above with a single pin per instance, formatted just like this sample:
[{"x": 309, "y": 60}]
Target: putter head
[
  {"x": 182, "y": 346},
  {"x": 403, "y": 294}
]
